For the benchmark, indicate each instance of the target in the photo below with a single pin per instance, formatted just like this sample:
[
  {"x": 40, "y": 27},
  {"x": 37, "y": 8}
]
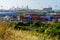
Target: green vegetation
[
  {"x": 30, "y": 31},
  {"x": 51, "y": 29}
]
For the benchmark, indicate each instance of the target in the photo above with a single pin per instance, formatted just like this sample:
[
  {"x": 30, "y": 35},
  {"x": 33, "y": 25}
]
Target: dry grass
[{"x": 7, "y": 33}]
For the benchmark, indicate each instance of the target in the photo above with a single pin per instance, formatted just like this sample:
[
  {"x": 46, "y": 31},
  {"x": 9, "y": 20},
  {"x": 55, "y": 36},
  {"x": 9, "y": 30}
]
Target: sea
[{"x": 8, "y": 14}]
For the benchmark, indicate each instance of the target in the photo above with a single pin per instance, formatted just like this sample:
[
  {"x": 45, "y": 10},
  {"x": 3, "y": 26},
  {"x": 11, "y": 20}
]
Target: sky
[{"x": 33, "y": 4}]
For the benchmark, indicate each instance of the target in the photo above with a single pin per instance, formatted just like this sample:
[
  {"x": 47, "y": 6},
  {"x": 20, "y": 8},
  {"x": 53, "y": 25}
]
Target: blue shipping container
[
  {"x": 50, "y": 18},
  {"x": 29, "y": 18}
]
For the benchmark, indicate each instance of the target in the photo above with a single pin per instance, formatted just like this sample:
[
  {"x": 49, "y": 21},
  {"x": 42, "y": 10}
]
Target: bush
[
  {"x": 24, "y": 24},
  {"x": 52, "y": 31},
  {"x": 40, "y": 29},
  {"x": 27, "y": 24},
  {"x": 12, "y": 24},
  {"x": 21, "y": 28},
  {"x": 47, "y": 28},
  {"x": 38, "y": 23},
  {"x": 20, "y": 24}
]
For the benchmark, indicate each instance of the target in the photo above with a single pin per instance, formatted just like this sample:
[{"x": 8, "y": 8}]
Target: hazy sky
[{"x": 34, "y": 4}]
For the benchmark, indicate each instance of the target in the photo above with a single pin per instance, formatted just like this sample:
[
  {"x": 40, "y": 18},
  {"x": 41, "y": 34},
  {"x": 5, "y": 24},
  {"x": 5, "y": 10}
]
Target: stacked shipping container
[{"x": 35, "y": 17}]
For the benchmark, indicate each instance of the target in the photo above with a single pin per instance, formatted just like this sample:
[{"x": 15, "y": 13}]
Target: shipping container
[
  {"x": 50, "y": 18},
  {"x": 43, "y": 19},
  {"x": 29, "y": 18},
  {"x": 35, "y": 18}
]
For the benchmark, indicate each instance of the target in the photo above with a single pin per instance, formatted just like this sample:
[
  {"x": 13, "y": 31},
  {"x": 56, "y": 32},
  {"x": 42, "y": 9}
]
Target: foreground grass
[{"x": 8, "y": 33}]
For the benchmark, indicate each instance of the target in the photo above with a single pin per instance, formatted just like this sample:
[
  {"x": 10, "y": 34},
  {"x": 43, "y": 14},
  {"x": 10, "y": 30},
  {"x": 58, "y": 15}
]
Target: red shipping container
[
  {"x": 43, "y": 19},
  {"x": 23, "y": 17},
  {"x": 35, "y": 18}
]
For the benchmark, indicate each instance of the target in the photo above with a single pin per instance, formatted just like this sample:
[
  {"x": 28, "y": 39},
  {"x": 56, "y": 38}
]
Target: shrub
[
  {"x": 52, "y": 31},
  {"x": 12, "y": 24},
  {"x": 40, "y": 29},
  {"x": 38, "y": 23},
  {"x": 21, "y": 28},
  {"x": 49, "y": 31},
  {"x": 27, "y": 24},
  {"x": 20, "y": 24}
]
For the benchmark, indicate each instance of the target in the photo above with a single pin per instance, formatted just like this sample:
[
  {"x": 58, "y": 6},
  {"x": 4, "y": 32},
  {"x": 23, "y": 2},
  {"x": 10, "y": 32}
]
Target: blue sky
[{"x": 33, "y": 4}]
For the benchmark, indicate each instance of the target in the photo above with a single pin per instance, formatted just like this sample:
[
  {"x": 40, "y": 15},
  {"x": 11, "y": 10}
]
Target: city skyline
[{"x": 33, "y": 4}]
